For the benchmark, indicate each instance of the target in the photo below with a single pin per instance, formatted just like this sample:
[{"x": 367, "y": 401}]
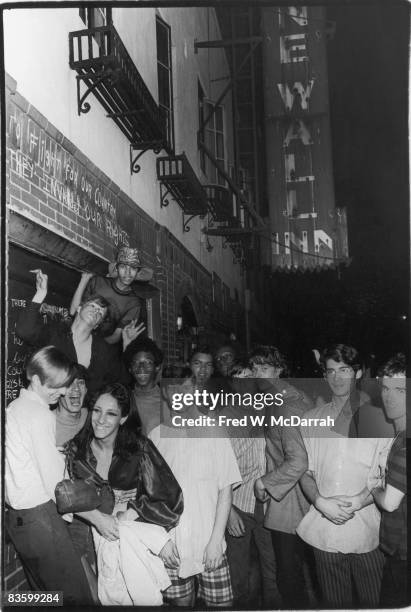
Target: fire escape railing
[
  {"x": 106, "y": 69},
  {"x": 178, "y": 179},
  {"x": 220, "y": 201}
]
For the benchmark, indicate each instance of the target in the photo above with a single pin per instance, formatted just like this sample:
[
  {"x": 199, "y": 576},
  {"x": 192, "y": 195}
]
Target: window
[
  {"x": 165, "y": 78},
  {"x": 212, "y": 136}
]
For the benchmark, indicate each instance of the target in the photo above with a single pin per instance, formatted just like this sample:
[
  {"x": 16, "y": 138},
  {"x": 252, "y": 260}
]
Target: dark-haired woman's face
[{"x": 106, "y": 417}]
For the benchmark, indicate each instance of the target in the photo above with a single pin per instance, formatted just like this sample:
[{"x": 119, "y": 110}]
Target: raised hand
[
  {"x": 86, "y": 276},
  {"x": 41, "y": 280},
  {"x": 41, "y": 285},
  {"x": 131, "y": 331}
]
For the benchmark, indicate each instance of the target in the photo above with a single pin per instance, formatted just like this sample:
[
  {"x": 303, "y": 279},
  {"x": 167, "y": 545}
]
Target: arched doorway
[{"x": 187, "y": 329}]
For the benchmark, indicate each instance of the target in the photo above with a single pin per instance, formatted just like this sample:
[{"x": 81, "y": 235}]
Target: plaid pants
[{"x": 214, "y": 588}]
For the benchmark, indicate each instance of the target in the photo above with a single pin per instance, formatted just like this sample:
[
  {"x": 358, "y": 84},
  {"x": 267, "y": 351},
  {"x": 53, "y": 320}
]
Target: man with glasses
[
  {"x": 342, "y": 524},
  {"x": 225, "y": 359}
]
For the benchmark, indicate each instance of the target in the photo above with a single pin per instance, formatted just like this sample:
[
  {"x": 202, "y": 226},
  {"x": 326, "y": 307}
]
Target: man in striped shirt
[
  {"x": 251, "y": 574},
  {"x": 392, "y": 499}
]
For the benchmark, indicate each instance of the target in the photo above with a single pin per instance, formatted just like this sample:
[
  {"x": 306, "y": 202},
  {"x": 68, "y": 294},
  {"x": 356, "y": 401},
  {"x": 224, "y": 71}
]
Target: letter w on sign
[{"x": 288, "y": 96}]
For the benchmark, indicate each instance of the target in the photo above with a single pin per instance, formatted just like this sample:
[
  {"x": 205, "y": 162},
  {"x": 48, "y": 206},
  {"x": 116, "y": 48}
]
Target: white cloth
[
  {"x": 342, "y": 466},
  {"x": 128, "y": 571},
  {"x": 202, "y": 467},
  {"x": 33, "y": 465}
]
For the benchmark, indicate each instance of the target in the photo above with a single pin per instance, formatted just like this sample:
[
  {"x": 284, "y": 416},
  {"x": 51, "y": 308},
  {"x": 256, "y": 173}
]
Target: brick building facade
[{"x": 73, "y": 195}]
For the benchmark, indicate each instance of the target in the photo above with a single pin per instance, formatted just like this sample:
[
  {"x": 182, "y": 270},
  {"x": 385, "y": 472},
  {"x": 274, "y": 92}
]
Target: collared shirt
[
  {"x": 250, "y": 455},
  {"x": 342, "y": 466},
  {"x": 33, "y": 465}
]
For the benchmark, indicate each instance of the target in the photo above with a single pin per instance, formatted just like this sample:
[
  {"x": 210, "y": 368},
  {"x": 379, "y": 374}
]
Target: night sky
[
  {"x": 368, "y": 77},
  {"x": 363, "y": 303}
]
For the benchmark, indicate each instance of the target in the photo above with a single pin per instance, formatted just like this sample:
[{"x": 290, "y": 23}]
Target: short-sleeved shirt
[
  {"x": 124, "y": 305},
  {"x": 393, "y": 532},
  {"x": 342, "y": 466},
  {"x": 202, "y": 467}
]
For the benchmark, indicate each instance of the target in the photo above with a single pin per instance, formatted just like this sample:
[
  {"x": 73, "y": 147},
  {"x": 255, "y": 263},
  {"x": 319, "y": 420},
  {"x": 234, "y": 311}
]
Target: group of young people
[{"x": 225, "y": 518}]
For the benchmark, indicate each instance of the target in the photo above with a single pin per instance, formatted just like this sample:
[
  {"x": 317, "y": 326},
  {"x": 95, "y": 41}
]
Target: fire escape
[
  {"x": 239, "y": 225},
  {"x": 105, "y": 68}
]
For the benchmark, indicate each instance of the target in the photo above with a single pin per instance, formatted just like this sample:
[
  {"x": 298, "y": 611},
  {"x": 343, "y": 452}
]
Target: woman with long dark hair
[{"x": 110, "y": 447}]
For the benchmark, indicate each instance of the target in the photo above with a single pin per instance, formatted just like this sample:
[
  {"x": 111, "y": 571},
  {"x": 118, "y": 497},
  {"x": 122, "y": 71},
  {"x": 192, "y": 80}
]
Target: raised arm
[
  {"x": 29, "y": 324},
  {"x": 79, "y": 292}
]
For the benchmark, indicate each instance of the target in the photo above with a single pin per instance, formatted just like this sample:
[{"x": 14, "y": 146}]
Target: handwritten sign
[{"x": 38, "y": 157}]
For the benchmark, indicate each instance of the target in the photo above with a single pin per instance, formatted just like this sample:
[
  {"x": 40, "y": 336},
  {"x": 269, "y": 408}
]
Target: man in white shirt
[
  {"x": 33, "y": 467},
  {"x": 206, "y": 469},
  {"x": 343, "y": 522}
]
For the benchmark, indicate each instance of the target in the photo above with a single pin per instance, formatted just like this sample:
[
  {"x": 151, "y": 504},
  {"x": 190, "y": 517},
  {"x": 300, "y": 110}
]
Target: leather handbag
[
  {"x": 84, "y": 491},
  {"x": 76, "y": 496}
]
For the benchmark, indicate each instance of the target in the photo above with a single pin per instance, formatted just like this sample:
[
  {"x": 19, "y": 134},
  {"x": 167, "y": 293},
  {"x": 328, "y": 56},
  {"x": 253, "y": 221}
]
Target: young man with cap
[{"x": 121, "y": 290}]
